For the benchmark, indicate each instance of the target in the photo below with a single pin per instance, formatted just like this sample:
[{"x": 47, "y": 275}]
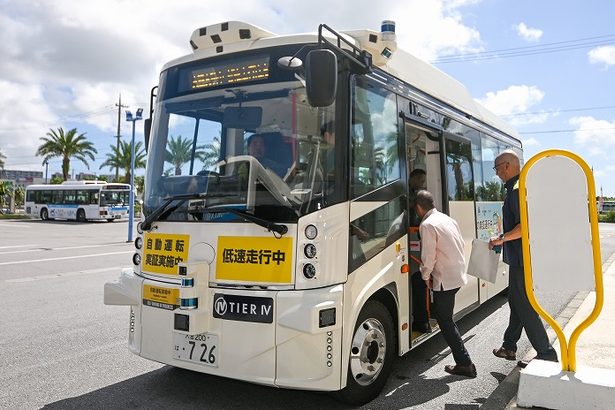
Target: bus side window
[{"x": 93, "y": 198}]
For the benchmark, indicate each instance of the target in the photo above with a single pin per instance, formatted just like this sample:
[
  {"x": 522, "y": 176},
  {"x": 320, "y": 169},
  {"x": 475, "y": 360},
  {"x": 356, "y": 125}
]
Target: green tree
[
  {"x": 20, "y": 194},
  {"x": 139, "y": 183},
  {"x": 120, "y": 158},
  {"x": 6, "y": 191},
  {"x": 66, "y": 146},
  {"x": 211, "y": 153},
  {"x": 2, "y": 158},
  {"x": 56, "y": 180},
  {"x": 102, "y": 178},
  {"x": 491, "y": 191},
  {"x": 179, "y": 152}
]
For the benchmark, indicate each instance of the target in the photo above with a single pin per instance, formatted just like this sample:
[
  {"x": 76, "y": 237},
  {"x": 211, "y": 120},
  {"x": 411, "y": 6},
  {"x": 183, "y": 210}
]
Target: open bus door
[{"x": 423, "y": 152}]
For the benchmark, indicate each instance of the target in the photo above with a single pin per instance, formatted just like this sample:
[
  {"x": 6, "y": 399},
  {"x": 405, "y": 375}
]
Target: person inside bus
[
  {"x": 443, "y": 270},
  {"x": 420, "y": 321},
  {"x": 522, "y": 315},
  {"x": 258, "y": 149}
]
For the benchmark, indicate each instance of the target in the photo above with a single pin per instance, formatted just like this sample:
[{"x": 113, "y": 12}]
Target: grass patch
[{"x": 14, "y": 216}]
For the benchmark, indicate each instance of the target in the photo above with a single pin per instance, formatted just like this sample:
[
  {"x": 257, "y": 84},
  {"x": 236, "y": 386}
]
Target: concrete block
[{"x": 544, "y": 384}]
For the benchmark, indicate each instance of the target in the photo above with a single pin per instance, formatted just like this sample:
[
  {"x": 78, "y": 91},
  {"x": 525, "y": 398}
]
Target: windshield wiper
[
  {"x": 280, "y": 229},
  {"x": 151, "y": 218}
]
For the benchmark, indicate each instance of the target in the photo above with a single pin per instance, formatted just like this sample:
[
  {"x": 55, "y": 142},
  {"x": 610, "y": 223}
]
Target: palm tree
[
  {"x": 2, "y": 158},
  {"x": 211, "y": 153},
  {"x": 179, "y": 151},
  {"x": 66, "y": 145},
  {"x": 120, "y": 158}
]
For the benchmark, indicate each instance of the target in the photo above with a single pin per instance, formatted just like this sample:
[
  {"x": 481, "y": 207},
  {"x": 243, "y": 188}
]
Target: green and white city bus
[{"x": 288, "y": 264}]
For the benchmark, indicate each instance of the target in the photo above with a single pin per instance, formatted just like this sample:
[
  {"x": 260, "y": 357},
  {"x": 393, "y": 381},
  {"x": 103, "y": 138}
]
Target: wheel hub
[{"x": 367, "y": 351}]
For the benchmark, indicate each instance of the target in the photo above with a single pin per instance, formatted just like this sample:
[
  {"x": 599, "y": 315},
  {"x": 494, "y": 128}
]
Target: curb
[{"x": 495, "y": 401}]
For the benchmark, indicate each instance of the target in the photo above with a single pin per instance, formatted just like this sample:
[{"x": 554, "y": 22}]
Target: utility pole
[{"x": 118, "y": 136}]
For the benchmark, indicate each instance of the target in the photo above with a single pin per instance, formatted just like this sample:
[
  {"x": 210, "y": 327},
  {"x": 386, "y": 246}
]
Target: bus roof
[
  {"x": 231, "y": 37},
  {"x": 76, "y": 185}
]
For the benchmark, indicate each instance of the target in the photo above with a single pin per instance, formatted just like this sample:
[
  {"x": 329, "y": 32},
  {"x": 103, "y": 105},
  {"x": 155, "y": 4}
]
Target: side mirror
[
  {"x": 147, "y": 128},
  {"x": 321, "y": 77}
]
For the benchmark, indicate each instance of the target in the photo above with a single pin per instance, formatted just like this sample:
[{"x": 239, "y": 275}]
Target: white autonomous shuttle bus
[{"x": 279, "y": 251}]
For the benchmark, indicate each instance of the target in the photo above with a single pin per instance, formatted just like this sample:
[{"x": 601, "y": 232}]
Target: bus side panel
[
  {"x": 63, "y": 211},
  {"x": 463, "y": 213},
  {"x": 308, "y": 349},
  {"x": 382, "y": 270}
]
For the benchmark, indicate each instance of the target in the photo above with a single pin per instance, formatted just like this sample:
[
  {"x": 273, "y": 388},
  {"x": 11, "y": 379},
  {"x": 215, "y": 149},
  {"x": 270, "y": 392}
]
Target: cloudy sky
[{"x": 547, "y": 67}]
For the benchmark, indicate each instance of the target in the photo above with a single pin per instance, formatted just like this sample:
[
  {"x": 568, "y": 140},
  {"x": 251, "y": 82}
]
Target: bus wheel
[
  {"x": 44, "y": 214},
  {"x": 80, "y": 215},
  {"x": 371, "y": 354}
]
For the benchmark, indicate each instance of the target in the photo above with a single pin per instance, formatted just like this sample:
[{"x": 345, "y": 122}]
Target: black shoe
[
  {"x": 523, "y": 363},
  {"x": 422, "y": 327},
  {"x": 457, "y": 370},
  {"x": 505, "y": 353}
]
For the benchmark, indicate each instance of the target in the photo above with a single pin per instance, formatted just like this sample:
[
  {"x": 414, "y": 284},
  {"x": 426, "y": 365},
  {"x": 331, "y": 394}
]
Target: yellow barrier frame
[{"x": 568, "y": 356}]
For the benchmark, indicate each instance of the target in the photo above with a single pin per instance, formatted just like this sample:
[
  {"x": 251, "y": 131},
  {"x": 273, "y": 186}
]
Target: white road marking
[
  {"x": 18, "y": 226},
  {"x": 63, "y": 258},
  {"x": 16, "y": 246},
  {"x": 64, "y": 274},
  {"x": 39, "y": 249}
]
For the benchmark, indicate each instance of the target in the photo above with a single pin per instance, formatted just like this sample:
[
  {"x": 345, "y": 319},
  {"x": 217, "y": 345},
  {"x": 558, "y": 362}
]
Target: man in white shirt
[{"x": 443, "y": 270}]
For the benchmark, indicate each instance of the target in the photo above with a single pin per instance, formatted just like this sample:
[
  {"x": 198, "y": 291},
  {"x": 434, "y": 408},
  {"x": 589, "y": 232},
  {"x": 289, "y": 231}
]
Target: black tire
[
  {"x": 44, "y": 214},
  {"x": 110, "y": 220},
  {"x": 366, "y": 379},
  {"x": 80, "y": 215}
]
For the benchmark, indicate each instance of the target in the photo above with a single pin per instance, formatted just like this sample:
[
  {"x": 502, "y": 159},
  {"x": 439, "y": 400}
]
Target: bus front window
[{"x": 259, "y": 148}]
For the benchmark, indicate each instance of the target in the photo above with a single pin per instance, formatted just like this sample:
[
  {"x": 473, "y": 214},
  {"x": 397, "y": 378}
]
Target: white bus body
[
  {"x": 291, "y": 268},
  {"x": 78, "y": 200}
]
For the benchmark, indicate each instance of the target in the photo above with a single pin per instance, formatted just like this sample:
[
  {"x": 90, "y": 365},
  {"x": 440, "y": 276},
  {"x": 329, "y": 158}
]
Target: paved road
[{"x": 60, "y": 347}]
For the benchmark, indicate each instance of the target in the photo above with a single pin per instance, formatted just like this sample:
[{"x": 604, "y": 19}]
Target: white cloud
[
  {"x": 514, "y": 101},
  {"x": 530, "y": 142},
  {"x": 603, "y": 54},
  {"x": 527, "y": 33},
  {"x": 66, "y": 61},
  {"x": 597, "y": 136}
]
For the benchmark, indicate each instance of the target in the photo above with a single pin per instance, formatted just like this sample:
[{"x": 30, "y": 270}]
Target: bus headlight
[
  {"x": 311, "y": 232},
  {"x": 136, "y": 259},
  {"x": 310, "y": 250},
  {"x": 139, "y": 242},
  {"x": 309, "y": 270}
]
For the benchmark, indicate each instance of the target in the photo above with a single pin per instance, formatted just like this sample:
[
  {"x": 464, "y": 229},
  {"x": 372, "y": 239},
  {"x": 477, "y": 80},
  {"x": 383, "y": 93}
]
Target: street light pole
[
  {"x": 131, "y": 209},
  {"x": 46, "y": 169}
]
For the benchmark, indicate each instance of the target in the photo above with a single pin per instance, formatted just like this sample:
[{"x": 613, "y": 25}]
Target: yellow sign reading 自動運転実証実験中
[
  {"x": 254, "y": 259},
  {"x": 163, "y": 252}
]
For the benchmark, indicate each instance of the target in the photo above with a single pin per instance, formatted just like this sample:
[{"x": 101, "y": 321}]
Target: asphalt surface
[{"x": 61, "y": 347}]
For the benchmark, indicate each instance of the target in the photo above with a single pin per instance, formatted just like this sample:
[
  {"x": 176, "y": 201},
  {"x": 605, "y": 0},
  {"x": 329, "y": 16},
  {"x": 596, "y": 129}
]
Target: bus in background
[
  {"x": 606, "y": 206},
  {"x": 78, "y": 200},
  {"x": 280, "y": 251}
]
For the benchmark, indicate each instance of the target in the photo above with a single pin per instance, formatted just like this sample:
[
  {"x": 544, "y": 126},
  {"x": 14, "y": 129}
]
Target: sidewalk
[{"x": 596, "y": 345}]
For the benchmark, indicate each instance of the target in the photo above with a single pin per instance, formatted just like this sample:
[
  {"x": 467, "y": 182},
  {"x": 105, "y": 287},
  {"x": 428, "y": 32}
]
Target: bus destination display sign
[{"x": 238, "y": 71}]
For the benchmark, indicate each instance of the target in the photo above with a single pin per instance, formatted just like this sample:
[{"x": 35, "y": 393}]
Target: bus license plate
[{"x": 201, "y": 349}]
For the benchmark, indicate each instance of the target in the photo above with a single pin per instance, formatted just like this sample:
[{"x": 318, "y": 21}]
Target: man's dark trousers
[
  {"x": 419, "y": 299},
  {"x": 444, "y": 303},
  {"x": 523, "y": 316}
]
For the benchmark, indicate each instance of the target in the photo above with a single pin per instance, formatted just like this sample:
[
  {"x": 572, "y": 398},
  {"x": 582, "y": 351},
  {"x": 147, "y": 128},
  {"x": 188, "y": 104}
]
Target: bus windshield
[
  {"x": 108, "y": 198},
  {"x": 259, "y": 148}
]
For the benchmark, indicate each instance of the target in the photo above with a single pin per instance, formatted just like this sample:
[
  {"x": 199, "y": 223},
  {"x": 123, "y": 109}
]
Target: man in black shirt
[{"x": 522, "y": 315}]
